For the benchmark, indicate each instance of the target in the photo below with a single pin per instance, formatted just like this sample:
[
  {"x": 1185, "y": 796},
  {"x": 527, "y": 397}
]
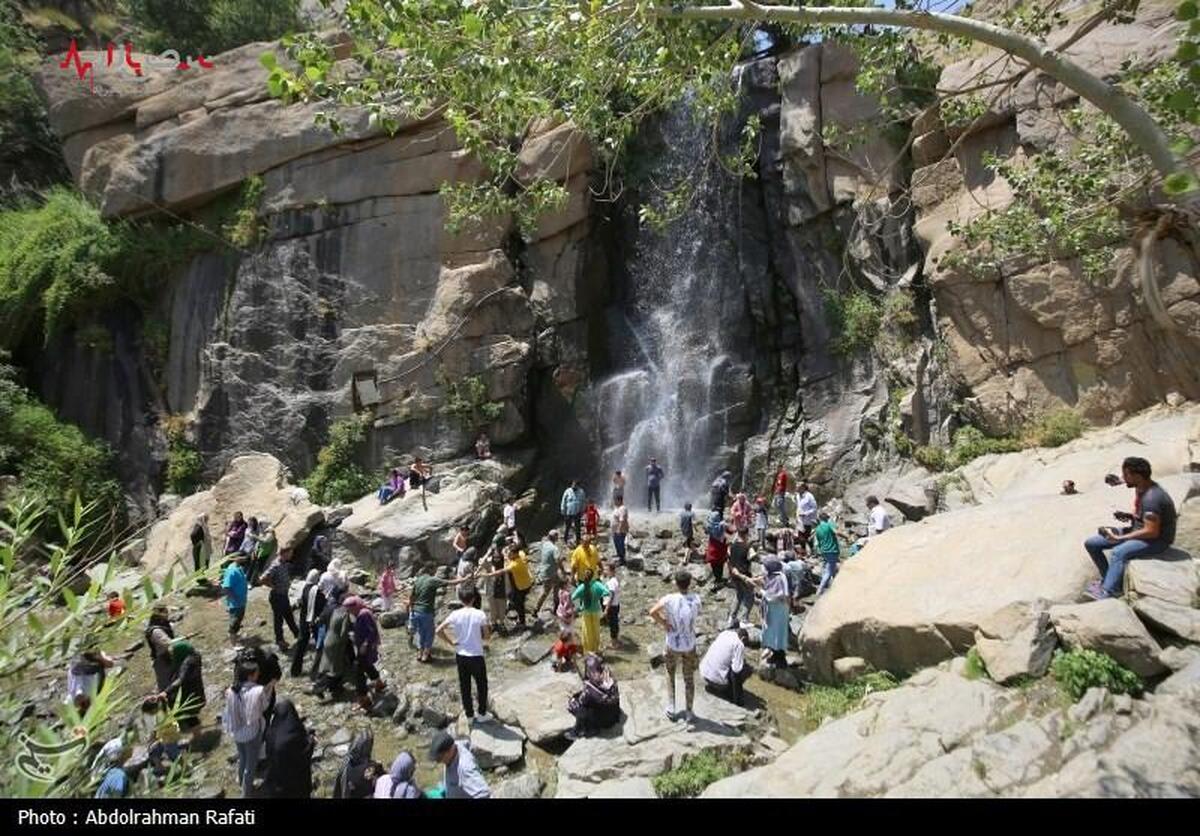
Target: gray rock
[
  {"x": 526, "y": 785},
  {"x": 536, "y": 701},
  {"x": 495, "y": 744},
  {"x": 1178, "y": 658},
  {"x": 850, "y": 667},
  {"x": 403, "y": 704},
  {"x": 393, "y": 619},
  {"x": 1123, "y": 704},
  {"x": 1181, "y": 682},
  {"x": 342, "y": 735},
  {"x": 1090, "y": 704},
  {"x": 1109, "y": 626},
  {"x": 635, "y": 562},
  {"x": 1169, "y": 617},
  {"x": 335, "y": 516},
  {"x": 1171, "y": 577},
  {"x": 654, "y": 652},
  {"x": 1017, "y": 641},
  {"x": 533, "y": 651}
]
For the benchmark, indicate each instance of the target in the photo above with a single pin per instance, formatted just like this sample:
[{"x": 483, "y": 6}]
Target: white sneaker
[{"x": 484, "y": 717}]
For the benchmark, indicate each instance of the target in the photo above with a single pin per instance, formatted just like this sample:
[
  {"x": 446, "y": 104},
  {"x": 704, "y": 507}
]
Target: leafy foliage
[
  {"x": 60, "y": 260},
  {"x": 696, "y": 772},
  {"x": 338, "y": 477},
  {"x": 184, "y": 464},
  {"x": 29, "y": 150},
  {"x": 467, "y": 402},
  {"x": 1078, "y": 670},
  {"x": 932, "y": 458},
  {"x": 245, "y": 229},
  {"x": 854, "y": 319},
  {"x": 53, "y": 461},
  {"x": 1055, "y": 429},
  {"x": 206, "y": 27},
  {"x": 821, "y": 701},
  {"x": 975, "y": 668},
  {"x": 41, "y": 638}
]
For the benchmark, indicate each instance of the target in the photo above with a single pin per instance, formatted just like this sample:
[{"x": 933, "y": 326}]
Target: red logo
[{"x": 87, "y": 68}]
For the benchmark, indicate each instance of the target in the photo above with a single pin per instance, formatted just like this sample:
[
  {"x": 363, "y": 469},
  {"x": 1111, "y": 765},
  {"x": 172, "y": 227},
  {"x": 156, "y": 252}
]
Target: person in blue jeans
[
  {"x": 422, "y": 603},
  {"x": 1151, "y": 530},
  {"x": 826, "y": 539}
]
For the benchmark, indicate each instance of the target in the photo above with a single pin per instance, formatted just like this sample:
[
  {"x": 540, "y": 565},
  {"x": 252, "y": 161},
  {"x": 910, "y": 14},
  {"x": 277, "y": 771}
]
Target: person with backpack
[
  {"x": 398, "y": 782},
  {"x": 720, "y": 492},
  {"x": 676, "y": 614},
  {"x": 356, "y": 778},
  {"x": 243, "y": 721},
  {"x": 289, "y": 751},
  {"x": 597, "y": 706},
  {"x": 466, "y": 628},
  {"x": 158, "y": 636}
]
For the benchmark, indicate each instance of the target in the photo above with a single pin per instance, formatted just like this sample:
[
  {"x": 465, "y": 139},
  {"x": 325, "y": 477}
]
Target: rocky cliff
[{"x": 356, "y": 279}]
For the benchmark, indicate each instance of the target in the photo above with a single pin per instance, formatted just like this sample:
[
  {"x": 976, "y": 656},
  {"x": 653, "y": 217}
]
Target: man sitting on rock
[{"x": 1152, "y": 530}]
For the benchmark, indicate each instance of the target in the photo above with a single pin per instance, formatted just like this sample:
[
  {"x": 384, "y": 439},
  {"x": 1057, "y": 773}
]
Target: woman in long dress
[
  {"x": 589, "y": 600},
  {"x": 776, "y": 609}
]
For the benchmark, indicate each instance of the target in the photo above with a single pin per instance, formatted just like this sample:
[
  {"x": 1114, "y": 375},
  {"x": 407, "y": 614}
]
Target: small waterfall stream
[{"x": 684, "y": 298}]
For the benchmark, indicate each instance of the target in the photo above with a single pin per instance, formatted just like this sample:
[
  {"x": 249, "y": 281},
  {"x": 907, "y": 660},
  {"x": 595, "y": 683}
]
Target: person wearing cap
[
  {"x": 234, "y": 584},
  {"x": 461, "y": 776}
]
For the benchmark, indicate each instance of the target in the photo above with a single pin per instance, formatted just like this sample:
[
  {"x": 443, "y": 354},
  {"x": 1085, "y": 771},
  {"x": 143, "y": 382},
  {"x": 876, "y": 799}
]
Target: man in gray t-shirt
[
  {"x": 279, "y": 578},
  {"x": 1152, "y": 529}
]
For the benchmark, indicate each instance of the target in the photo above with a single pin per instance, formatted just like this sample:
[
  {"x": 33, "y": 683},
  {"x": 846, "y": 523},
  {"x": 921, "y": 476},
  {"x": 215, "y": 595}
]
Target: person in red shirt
[
  {"x": 116, "y": 606},
  {"x": 781, "y": 486},
  {"x": 591, "y": 518},
  {"x": 565, "y": 651}
]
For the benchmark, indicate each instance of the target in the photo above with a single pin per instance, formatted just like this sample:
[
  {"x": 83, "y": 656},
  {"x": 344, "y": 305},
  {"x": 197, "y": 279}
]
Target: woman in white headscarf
[
  {"x": 398, "y": 783},
  {"x": 312, "y": 602}
]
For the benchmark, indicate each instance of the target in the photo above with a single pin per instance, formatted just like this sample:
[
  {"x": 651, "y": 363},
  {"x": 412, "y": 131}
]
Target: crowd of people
[{"x": 768, "y": 565}]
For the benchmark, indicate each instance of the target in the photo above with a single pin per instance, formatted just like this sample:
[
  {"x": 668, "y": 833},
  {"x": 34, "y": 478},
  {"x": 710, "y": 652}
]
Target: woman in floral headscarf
[{"x": 598, "y": 705}]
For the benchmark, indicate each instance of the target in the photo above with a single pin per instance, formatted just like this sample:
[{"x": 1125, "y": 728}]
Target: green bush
[
  {"x": 1078, "y": 670},
  {"x": 184, "y": 464},
  {"x": 970, "y": 443},
  {"x": 207, "y": 27},
  {"x": 467, "y": 403},
  {"x": 976, "y": 669},
  {"x": 245, "y": 229},
  {"x": 696, "y": 772},
  {"x": 854, "y": 320},
  {"x": 1055, "y": 429},
  {"x": 933, "y": 458},
  {"x": 338, "y": 478},
  {"x": 53, "y": 460},
  {"x": 29, "y": 149},
  {"x": 59, "y": 259},
  {"x": 821, "y": 701}
]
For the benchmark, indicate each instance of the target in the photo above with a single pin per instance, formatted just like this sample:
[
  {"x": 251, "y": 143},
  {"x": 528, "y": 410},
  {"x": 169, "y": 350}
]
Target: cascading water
[{"x": 682, "y": 380}]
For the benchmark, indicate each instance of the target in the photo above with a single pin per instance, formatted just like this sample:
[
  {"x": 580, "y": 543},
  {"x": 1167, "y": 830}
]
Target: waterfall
[{"x": 684, "y": 299}]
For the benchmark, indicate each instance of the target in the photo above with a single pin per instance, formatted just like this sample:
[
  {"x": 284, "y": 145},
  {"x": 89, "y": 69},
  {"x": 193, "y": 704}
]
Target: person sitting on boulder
[
  {"x": 392, "y": 488},
  {"x": 235, "y": 533},
  {"x": 419, "y": 473},
  {"x": 598, "y": 705},
  {"x": 1152, "y": 529},
  {"x": 483, "y": 447}
]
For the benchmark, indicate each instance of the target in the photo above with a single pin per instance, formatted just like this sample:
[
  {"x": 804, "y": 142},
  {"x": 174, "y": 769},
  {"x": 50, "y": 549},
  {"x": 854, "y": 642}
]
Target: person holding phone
[{"x": 1151, "y": 529}]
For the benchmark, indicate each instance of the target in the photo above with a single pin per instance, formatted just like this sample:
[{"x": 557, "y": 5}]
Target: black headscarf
[
  {"x": 353, "y": 781},
  {"x": 289, "y": 754}
]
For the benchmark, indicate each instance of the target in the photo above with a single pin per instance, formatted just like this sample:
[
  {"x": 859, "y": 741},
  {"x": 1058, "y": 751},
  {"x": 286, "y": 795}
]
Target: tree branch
[{"x": 1136, "y": 122}]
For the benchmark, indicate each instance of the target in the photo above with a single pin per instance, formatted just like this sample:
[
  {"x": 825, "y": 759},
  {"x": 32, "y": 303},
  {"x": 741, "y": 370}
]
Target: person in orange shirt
[{"x": 116, "y": 606}]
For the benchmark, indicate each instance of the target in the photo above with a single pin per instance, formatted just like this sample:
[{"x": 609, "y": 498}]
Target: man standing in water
[{"x": 654, "y": 475}]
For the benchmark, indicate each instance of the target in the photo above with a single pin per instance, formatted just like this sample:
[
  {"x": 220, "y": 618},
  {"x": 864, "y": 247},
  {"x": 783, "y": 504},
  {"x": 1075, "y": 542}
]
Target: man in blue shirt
[
  {"x": 233, "y": 582},
  {"x": 654, "y": 475},
  {"x": 571, "y": 508}
]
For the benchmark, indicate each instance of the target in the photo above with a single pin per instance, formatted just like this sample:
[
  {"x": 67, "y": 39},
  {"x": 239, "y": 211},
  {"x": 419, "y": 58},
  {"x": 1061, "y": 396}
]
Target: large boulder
[
  {"x": 1109, "y": 626},
  {"x": 495, "y": 744},
  {"x": 1168, "y": 617},
  {"x": 255, "y": 484},
  {"x": 426, "y": 523},
  {"x": 1171, "y": 577}
]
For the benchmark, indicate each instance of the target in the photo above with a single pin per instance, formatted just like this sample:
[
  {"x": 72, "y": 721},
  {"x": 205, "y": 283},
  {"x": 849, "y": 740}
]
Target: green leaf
[
  {"x": 1181, "y": 182},
  {"x": 71, "y": 598},
  {"x": 313, "y": 73},
  {"x": 472, "y": 25},
  {"x": 1181, "y": 101},
  {"x": 1187, "y": 10},
  {"x": 1182, "y": 145},
  {"x": 267, "y": 59},
  {"x": 275, "y": 86},
  {"x": 1188, "y": 51}
]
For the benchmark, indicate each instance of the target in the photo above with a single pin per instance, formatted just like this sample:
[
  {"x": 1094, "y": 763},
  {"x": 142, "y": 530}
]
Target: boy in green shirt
[{"x": 825, "y": 537}]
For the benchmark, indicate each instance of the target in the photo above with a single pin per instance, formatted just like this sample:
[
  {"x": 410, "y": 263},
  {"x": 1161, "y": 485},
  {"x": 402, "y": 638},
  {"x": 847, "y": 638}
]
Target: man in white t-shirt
[
  {"x": 677, "y": 614},
  {"x": 806, "y": 512},
  {"x": 724, "y": 666},
  {"x": 620, "y": 529},
  {"x": 466, "y": 628},
  {"x": 880, "y": 522}
]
